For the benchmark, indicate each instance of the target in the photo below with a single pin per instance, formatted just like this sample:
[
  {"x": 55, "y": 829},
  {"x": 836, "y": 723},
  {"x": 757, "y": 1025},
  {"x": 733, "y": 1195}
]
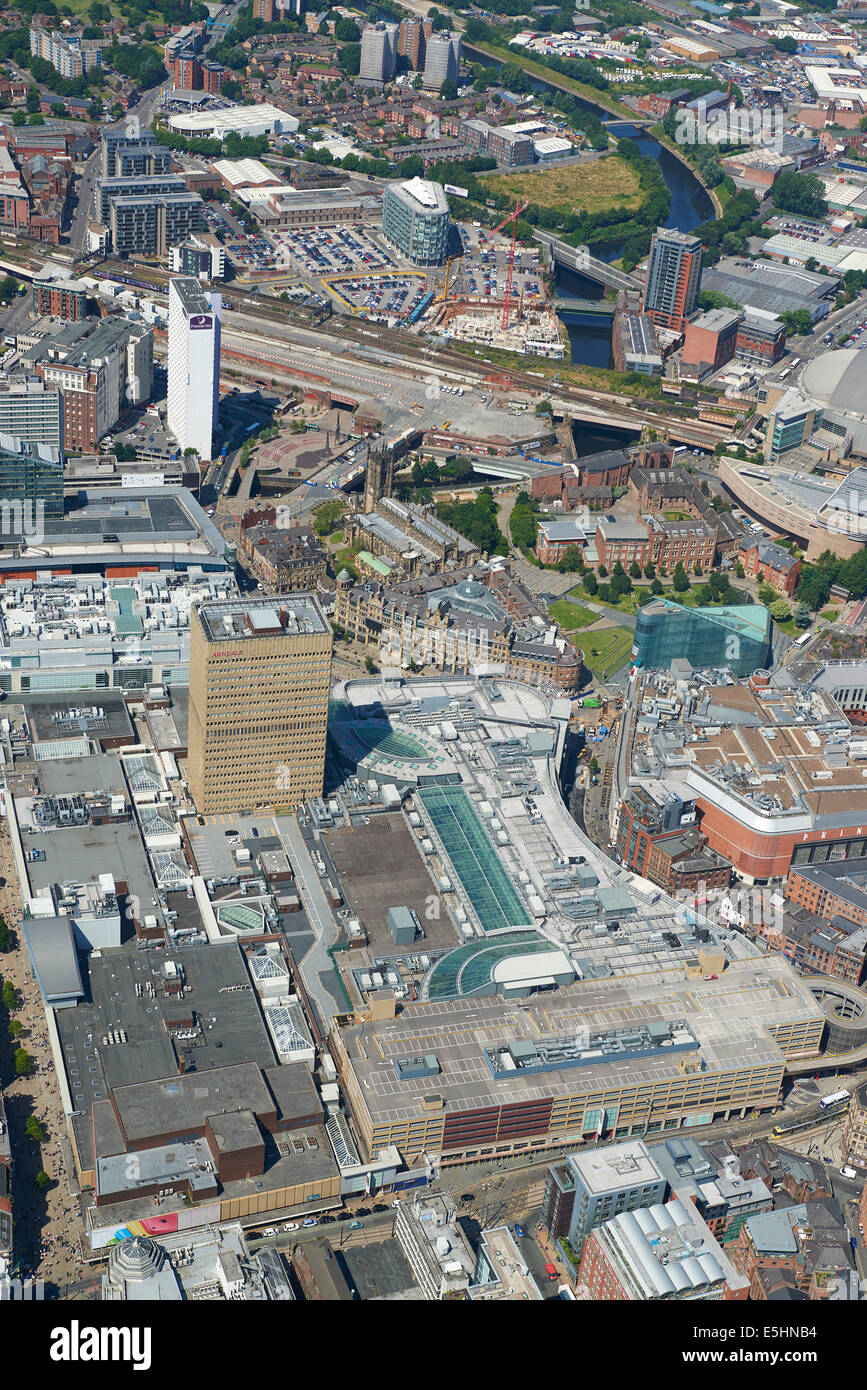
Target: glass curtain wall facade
[{"x": 737, "y": 638}]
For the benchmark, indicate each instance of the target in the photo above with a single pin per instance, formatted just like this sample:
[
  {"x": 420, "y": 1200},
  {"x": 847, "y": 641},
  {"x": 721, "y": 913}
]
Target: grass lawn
[
  {"x": 345, "y": 558},
  {"x": 571, "y": 616},
  {"x": 830, "y": 614},
  {"x": 592, "y": 187},
  {"x": 628, "y": 604},
  {"x": 606, "y": 651},
  {"x": 675, "y": 516}
]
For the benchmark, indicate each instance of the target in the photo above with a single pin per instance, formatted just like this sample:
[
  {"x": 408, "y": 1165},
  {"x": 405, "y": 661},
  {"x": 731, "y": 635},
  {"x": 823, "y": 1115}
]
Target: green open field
[
  {"x": 571, "y": 616},
  {"x": 602, "y": 183},
  {"x": 606, "y": 651}
]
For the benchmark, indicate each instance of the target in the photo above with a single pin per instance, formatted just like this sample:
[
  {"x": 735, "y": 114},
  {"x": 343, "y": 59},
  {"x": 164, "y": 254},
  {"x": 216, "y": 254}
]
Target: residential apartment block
[
  {"x": 673, "y": 277},
  {"x": 153, "y": 225},
  {"x": 69, "y": 55},
  {"x": 32, "y": 412},
  {"x": 666, "y": 1253},
  {"x": 412, "y": 38},
  {"x": 123, "y": 155},
  {"x": 57, "y": 295}
]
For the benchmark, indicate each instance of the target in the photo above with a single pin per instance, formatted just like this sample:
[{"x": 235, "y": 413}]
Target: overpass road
[{"x": 576, "y": 258}]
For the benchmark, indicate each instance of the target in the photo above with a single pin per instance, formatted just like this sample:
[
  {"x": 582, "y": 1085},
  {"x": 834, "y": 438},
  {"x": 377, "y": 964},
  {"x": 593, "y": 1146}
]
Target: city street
[
  {"x": 82, "y": 211},
  {"x": 48, "y": 1225}
]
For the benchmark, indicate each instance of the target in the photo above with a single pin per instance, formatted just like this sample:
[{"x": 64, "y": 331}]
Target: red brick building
[
  {"x": 709, "y": 342},
  {"x": 760, "y": 338},
  {"x": 610, "y": 468},
  {"x": 771, "y": 564},
  {"x": 829, "y": 891},
  {"x": 60, "y": 298},
  {"x": 673, "y": 278},
  {"x": 626, "y": 541},
  {"x": 657, "y": 838},
  {"x": 620, "y": 1265},
  {"x": 660, "y": 103},
  {"x": 655, "y": 539},
  {"x": 691, "y": 543},
  {"x": 556, "y": 538},
  {"x": 412, "y": 37},
  {"x": 192, "y": 73}
]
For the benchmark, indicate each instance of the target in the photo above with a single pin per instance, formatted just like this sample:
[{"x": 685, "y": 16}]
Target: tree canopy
[{"x": 803, "y": 194}]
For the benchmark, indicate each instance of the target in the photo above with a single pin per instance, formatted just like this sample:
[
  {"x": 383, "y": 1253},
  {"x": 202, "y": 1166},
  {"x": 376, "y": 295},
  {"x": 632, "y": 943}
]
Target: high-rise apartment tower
[{"x": 673, "y": 278}]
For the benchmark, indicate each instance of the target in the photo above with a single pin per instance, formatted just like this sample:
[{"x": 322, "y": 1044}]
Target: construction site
[
  {"x": 495, "y": 302},
  {"x": 533, "y": 330}
]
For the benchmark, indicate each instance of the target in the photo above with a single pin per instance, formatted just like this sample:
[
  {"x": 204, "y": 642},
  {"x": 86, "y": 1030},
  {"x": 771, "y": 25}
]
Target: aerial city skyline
[{"x": 433, "y": 664}]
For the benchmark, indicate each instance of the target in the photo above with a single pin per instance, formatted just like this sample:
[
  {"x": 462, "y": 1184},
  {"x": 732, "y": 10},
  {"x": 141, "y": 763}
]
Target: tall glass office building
[
  {"x": 738, "y": 638},
  {"x": 31, "y": 484},
  {"x": 415, "y": 219}
]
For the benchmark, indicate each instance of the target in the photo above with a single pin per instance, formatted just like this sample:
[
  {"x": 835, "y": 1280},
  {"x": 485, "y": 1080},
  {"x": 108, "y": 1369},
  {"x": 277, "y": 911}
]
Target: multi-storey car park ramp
[{"x": 845, "y": 1037}]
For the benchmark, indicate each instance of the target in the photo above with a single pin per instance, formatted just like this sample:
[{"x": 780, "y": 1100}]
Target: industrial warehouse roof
[
  {"x": 241, "y": 119},
  {"x": 241, "y": 171},
  {"x": 768, "y": 285}
]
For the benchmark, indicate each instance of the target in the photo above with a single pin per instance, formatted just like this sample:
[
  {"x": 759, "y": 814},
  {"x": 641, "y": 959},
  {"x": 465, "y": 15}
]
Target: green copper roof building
[{"x": 738, "y": 638}]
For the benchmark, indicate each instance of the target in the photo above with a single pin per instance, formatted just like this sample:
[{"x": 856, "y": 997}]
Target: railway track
[{"x": 345, "y": 335}]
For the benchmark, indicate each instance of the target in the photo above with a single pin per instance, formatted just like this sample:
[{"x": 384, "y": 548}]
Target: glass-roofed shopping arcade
[{"x": 474, "y": 859}]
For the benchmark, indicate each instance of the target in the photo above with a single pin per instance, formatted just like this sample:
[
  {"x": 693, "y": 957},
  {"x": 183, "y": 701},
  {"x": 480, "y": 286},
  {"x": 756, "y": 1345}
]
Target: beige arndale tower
[{"x": 260, "y": 675}]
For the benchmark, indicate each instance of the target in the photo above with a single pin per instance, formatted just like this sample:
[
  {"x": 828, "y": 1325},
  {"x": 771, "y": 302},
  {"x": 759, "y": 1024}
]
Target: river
[{"x": 589, "y": 335}]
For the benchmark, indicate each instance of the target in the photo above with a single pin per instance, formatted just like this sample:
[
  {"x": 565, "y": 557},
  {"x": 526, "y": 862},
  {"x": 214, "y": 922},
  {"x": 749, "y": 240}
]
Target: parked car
[
  {"x": 309, "y": 1221},
  {"x": 291, "y": 1226}
]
